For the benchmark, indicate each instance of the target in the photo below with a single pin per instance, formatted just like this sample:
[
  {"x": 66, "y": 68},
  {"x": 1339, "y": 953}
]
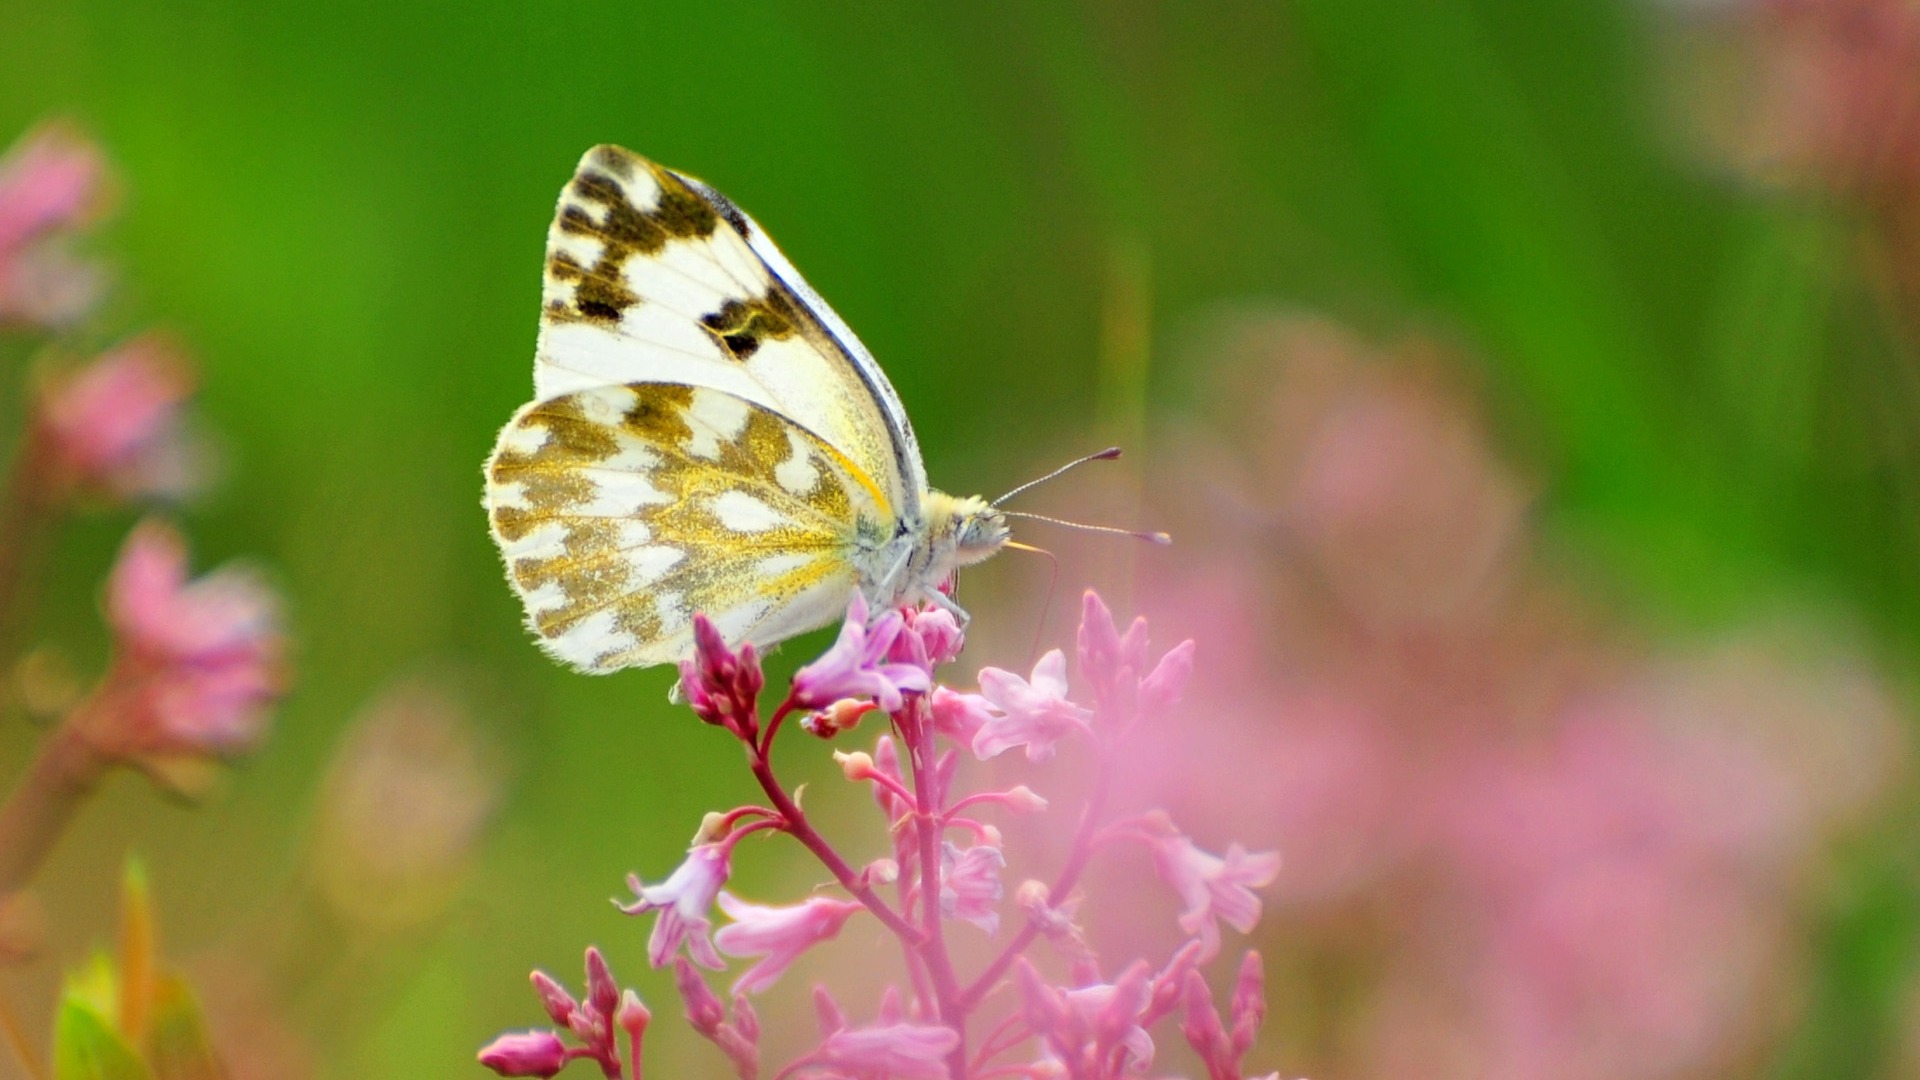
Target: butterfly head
[{"x": 975, "y": 529}]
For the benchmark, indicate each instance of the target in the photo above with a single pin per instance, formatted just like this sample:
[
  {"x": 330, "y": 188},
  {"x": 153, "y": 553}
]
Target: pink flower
[
  {"x": 1034, "y": 714},
  {"x": 49, "y": 181},
  {"x": 932, "y": 637},
  {"x": 1111, "y": 662},
  {"x": 739, "y": 1039},
  {"x": 596, "y": 1023},
  {"x": 959, "y": 716},
  {"x": 720, "y": 685},
  {"x": 970, "y": 884},
  {"x": 1162, "y": 686},
  {"x": 1221, "y": 1049},
  {"x": 525, "y": 1053},
  {"x": 114, "y": 426},
  {"x": 780, "y": 934},
  {"x": 1084, "y": 1026},
  {"x": 858, "y": 666},
  {"x": 1211, "y": 887},
  {"x": 894, "y": 1051},
  {"x": 199, "y": 662},
  {"x": 683, "y": 901}
]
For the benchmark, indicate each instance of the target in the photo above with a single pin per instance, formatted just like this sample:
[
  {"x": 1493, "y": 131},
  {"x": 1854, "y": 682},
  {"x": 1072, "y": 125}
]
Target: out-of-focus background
[{"x": 1532, "y": 386}]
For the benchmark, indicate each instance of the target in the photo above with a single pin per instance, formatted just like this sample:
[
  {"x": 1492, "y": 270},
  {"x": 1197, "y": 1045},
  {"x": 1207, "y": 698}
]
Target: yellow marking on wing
[{"x": 605, "y": 505}]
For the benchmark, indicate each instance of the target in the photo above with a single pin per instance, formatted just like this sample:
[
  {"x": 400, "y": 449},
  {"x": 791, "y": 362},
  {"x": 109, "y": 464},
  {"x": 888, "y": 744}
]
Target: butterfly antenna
[
  {"x": 1046, "y": 606},
  {"x": 1108, "y": 454},
  {"x": 1150, "y": 537}
]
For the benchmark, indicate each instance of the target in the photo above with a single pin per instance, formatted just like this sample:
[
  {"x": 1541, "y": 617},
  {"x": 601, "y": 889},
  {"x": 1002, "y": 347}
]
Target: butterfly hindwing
[
  {"x": 654, "y": 277},
  {"x": 621, "y": 510}
]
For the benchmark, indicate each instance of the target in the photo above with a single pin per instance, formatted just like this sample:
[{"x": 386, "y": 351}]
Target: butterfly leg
[{"x": 946, "y": 603}]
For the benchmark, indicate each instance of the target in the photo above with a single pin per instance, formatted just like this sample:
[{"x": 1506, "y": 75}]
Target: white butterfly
[{"x": 706, "y": 435}]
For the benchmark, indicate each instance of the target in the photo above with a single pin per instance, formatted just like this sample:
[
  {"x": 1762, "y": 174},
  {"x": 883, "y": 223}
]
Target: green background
[{"x": 341, "y": 208}]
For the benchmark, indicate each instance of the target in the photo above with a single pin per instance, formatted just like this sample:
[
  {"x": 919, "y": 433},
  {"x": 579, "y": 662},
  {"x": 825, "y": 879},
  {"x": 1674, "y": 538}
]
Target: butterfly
[{"x": 706, "y": 435}]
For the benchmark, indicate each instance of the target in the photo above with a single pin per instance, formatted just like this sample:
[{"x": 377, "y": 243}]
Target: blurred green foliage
[{"x": 341, "y": 208}]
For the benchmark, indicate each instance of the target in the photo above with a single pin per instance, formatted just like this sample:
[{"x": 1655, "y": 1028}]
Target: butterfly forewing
[
  {"x": 654, "y": 277},
  {"x": 622, "y": 510}
]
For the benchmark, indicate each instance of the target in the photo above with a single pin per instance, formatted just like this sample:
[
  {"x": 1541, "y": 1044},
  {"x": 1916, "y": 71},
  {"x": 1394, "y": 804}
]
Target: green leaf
[{"x": 85, "y": 1046}]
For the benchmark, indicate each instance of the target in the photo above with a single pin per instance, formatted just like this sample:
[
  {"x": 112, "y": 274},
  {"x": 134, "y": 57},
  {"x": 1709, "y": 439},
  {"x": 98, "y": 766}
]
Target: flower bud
[
  {"x": 857, "y": 765},
  {"x": 525, "y": 1053},
  {"x": 553, "y": 998}
]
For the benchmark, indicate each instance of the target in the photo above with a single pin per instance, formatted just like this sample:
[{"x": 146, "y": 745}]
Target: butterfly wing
[
  {"x": 622, "y": 510},
  {"x": 652, "y": 276}
]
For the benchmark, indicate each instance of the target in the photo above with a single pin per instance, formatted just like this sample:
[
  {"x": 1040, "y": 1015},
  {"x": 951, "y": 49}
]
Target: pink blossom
[
  {"x": 1162, "y": 686},
  {"x": 1211, "y": 887},
  {"x": 857, "y": 664},
  {"x": 1084, "y": 1026},
  {"x": 738, "y": 1039},
  {"x": 932, "y": 637},
  {"x": 959, "y": 716},
  {"x": 593, "y": 1022},
  {"x": 720, "y": 685},
  {"x": 49, "y": 181},
  {"x": 114, "y": 426},
  {"x": 1112, "y": 662},
  {"x": 199, "y": 662},
  {"x": 525, "y": 1053},
  {"x": 684, "y": 901},
  {"x": 970, "y": 884},
  {"x": 780, "y": 934},
  {"x": 1034, "y": 714},
  {"x": 895, "y": 1051},
  {"x": 1221, "y": 1047}
]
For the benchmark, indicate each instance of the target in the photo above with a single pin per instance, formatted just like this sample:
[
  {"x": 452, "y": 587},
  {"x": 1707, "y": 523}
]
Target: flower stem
[
  {"x": 23, "y": 513},
  {"x": 794, "y": 820},
  {"x": 927, "y": 800},
  {"x": 1068, "y": 877},
  {"x": 63, "y": 773}
]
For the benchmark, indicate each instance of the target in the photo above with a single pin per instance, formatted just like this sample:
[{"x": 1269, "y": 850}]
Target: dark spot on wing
[
  {"x": 741, "y": 326},
  {"x": 596, "y": 204}
]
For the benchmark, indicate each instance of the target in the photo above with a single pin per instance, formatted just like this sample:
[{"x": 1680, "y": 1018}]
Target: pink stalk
[
  {"x": 1077, "y": 857},
  {"x": 933, "y": 950},
  {"x": 62, "y": 775},
  {"x": 797, "y": 825}
]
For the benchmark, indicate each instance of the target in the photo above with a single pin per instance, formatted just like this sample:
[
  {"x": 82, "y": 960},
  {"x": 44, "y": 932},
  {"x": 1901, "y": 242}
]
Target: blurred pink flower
[
  {"x": 896, "y": 1051},
  {"x": 780, "y": 934},
  {"x": 1084, "y": 1027},
  {"x": 684, "y": 902},
  {"x": 1222, "y": 1045},
  {"x": 1034, "y": 714},
  {"x": 115, "y": 426},
  {"x": 198, "y": 663},
  {"x": 1538, "y": 846},
  {"x": 51, "y": 180},
  {"x": 1212, "y": 888},
  {"x": 970, "y": 884}
]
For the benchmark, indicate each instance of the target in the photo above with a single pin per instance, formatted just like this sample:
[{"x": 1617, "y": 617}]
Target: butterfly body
[{"x": 706, "y": 436}]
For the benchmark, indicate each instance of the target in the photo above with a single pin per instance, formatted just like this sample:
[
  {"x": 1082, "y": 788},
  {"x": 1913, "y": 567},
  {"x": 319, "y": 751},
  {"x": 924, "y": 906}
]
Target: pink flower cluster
[
  {"x": 198, "y": 662},
  {"x": 596, "y": 1023},
  {"x": 1520, "y": 842},
  {"x": 942, "y": 864},
  {"x": 51, "y": 182}
]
